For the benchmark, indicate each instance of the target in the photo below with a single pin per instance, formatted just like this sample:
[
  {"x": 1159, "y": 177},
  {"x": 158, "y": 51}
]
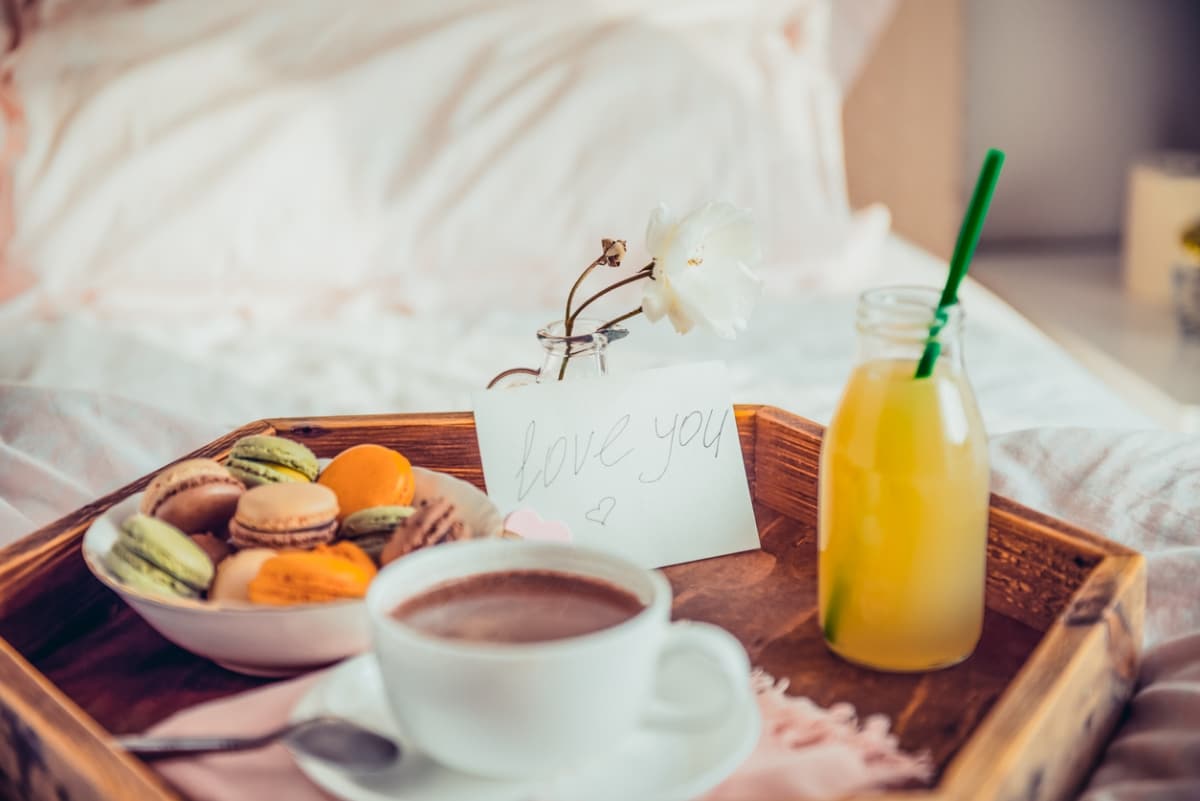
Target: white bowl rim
[{"x": 179, "y": 603}]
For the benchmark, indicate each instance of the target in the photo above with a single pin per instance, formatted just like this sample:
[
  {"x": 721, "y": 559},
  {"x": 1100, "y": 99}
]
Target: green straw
[{"x": 964, "y": 250}]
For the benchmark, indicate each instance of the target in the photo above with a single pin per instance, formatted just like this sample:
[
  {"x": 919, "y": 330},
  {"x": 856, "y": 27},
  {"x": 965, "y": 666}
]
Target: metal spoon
[{"x": 334, "y": 740}]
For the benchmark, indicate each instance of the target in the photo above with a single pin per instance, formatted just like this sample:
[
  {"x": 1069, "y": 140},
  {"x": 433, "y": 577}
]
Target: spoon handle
[{"x": 163, "y": 747}]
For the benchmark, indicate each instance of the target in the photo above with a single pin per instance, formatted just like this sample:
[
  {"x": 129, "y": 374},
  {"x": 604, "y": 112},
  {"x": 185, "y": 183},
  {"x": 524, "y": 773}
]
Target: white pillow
[{"x": 189, "y": 155}]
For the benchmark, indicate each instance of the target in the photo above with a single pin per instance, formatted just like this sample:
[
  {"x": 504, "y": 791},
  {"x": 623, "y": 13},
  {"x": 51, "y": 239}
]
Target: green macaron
[
  {"x": 371, "y": 528},
  {"x": 154, "y": 556},
  {"x": 263, "y": 459},
  {"x": 134, "y": 571}
]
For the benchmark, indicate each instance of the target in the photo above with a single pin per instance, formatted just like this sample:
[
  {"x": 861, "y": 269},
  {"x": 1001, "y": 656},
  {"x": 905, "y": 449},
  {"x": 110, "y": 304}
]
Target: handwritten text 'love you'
[{"x": 548, "y": 458}]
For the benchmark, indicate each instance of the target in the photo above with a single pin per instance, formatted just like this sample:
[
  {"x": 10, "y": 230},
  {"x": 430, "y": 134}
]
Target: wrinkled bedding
[{"x": 357, "y": 355}]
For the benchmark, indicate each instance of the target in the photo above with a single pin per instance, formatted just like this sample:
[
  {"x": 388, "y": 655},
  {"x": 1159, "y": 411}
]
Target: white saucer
[{"x": 652, "y": 765}]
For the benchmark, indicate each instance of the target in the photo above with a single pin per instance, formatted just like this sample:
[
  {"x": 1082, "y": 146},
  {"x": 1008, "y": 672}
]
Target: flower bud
[{"x": 614, "y": 252}]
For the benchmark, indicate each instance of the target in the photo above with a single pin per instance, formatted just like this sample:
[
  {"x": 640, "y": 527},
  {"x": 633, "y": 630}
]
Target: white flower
[{"x": 702, "y": 268}]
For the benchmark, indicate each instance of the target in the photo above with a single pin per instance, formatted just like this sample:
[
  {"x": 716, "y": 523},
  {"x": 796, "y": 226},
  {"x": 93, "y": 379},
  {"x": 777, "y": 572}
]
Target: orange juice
[{"x": 903, "y": 517}]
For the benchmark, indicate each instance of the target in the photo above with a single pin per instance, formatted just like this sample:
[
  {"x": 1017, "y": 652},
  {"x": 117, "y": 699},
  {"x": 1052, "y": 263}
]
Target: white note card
[{"x": 647, "y": 465}]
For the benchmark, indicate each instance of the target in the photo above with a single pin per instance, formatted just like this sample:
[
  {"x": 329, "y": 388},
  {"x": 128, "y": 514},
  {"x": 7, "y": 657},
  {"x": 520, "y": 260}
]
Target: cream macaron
[{"x": 285, "y": 515}]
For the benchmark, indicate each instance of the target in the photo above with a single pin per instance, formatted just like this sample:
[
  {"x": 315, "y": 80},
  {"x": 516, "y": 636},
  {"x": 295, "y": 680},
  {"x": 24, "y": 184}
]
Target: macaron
[
  {"x": 235, "y": 572},
  {"x": 195, "y": 495},
  {"x": 305, "y": 577},
  {"x": 433, "y": 522},
  {"x": 371, "y": 528},
  {"x": 285, "y": 515},
  {"x": 351, "y": 553},
  {"x": 153, "y": 556},
  {"x": 369, "y": 475},
  {"x": 264, "y": 459},
  {"x": 217, "y": 548}
]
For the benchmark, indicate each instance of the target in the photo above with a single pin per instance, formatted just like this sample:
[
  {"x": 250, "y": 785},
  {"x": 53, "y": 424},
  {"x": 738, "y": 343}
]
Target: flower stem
[
  {"x": 638, "y": 276},
  {"x": 568, "y": 320},
  {"x": 621, "y": 319}
]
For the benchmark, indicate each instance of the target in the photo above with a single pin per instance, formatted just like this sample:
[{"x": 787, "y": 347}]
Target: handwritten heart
[
  {"x": 529, "y": 525},
  {"x": 600, "y": 512}
]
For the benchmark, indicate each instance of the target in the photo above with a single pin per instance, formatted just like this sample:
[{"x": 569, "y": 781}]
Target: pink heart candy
[{"x": 529, "y": 525}]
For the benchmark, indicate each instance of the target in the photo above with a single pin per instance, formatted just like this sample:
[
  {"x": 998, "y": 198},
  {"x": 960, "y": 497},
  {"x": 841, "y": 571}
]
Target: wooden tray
[{"x": 1024, "y": 718}]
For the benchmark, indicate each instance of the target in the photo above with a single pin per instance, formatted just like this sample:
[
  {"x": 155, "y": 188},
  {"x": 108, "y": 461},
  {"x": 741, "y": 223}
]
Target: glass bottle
[
  {"x": 903, "y": 503},
  {"x": 583, "y": 354}
]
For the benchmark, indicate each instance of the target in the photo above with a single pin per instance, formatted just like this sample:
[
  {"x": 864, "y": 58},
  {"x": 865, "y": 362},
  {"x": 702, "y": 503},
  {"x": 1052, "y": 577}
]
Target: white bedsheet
[
  {"x": 365, "y": 357},
  {"x": 183, "y": 153}
]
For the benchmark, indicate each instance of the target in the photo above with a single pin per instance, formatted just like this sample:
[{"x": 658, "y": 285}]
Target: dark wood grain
[
  {"x": 111, "y": 671},
  {"x": 444, "y": 441},
  {"x": 1020, "y": 719},
  {"x": 1035, "y": 564},
  {"x": 50, "y": 750}
]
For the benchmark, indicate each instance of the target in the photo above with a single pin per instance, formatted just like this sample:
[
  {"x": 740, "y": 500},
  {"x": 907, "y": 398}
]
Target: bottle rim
[
  {"x": 585, "y": 333},
  {"x": 906, "y": 313}
]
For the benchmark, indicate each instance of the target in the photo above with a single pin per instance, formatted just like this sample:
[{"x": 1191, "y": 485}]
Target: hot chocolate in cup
[{"x": 522, "y": 659}]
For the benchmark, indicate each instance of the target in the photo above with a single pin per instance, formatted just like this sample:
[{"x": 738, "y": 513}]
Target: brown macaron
[
  {"x": 287, "y": 515},
  {"x": 433, "y": 522},
  {"x": 195, "y": 495}
]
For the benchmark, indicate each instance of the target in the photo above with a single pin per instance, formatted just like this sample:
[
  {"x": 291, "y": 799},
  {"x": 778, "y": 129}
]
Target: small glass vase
[{"x": 583, "y": 354}]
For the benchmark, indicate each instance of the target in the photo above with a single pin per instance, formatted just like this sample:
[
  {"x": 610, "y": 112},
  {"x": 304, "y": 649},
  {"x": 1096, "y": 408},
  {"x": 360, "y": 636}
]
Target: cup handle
[{"x": 722, "y": 654}]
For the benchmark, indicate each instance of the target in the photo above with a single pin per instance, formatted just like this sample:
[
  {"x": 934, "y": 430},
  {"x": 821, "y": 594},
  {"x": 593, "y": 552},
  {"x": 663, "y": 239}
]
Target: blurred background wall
[{"x": 1072, "y": 90}]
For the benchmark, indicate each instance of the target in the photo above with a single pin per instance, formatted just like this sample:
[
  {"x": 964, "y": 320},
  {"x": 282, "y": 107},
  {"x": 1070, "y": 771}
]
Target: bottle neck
[
  {"x": 582, "y": 354},
  {"x": 899, "y": 323}
]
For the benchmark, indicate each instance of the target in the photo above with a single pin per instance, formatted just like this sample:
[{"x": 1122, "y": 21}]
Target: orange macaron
[
  {"x": 350, "y": 552},
  {"x": 364, "y": 476},
  {"x": 307, "y": 577}
]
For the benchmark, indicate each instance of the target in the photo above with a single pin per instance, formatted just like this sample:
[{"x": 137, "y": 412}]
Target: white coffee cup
[{"x": 524, "y": 710}]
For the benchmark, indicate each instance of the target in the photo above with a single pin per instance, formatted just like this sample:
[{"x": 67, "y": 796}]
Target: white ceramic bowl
[{"x": 270, "y": 640}]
